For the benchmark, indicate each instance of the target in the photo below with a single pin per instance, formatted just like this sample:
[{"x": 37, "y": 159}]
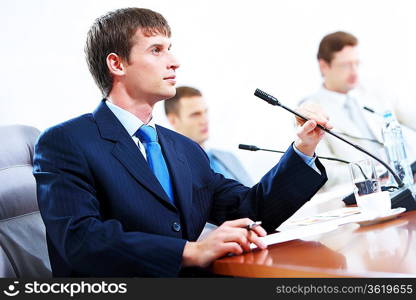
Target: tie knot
[
  {"x": 146, "y": 134},
  {"x": 349, "y": 102}
]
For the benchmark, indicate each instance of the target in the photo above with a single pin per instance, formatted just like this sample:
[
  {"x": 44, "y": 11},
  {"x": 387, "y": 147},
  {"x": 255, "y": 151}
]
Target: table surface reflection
[{"x": 385, "y": 249}]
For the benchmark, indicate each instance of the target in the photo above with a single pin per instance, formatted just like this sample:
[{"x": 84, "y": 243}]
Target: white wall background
[{"x": 226, "y": 48}]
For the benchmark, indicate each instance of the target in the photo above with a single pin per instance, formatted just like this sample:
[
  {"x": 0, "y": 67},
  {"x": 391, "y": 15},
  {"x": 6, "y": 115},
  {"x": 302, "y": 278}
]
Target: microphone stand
[
  {"x": 273, "y": 101},
  {"x": 401, "y": 198},
  {"x": 255, "y": 148}
]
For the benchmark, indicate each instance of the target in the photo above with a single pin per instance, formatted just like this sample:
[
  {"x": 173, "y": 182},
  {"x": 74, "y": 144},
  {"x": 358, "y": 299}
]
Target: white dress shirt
[
  {"x": 359, "y": 126},
  {"x": 131, "y": 123}
]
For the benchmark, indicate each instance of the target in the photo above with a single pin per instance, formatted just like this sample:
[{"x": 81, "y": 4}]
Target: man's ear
[
  {"x": 323, "y": 67},
  {"x": 115, "y": 64},
  {"x": 173, "y": 119}
]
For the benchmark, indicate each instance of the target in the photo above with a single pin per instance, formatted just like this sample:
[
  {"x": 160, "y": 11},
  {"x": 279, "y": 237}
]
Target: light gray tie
[{"x": 356, "y": 116}]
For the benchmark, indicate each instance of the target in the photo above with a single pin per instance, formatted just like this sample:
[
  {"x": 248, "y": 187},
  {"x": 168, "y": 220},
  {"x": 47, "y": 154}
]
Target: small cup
[
  {"x": 377, "y": 204},
  {"x": 367, "y": 188}
]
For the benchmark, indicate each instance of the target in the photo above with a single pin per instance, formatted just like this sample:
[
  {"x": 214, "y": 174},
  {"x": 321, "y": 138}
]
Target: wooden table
[{"x": 381, "y": 250}]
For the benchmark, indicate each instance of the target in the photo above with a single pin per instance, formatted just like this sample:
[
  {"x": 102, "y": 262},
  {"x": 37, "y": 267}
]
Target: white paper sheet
[{"x": 294, "y": 234}]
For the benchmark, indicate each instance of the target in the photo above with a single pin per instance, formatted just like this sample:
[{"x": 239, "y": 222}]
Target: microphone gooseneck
[
  {"x": 255, "y": 148},
  {"x": 272, "y": 100}
]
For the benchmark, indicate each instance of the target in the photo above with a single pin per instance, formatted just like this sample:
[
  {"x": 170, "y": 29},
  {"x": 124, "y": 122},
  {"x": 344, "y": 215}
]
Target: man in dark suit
[{"x": 121, "y": 196}]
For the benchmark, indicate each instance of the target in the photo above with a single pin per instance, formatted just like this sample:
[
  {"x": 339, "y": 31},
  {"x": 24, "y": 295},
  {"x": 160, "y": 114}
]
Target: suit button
[{"x": 176, "y": 226}]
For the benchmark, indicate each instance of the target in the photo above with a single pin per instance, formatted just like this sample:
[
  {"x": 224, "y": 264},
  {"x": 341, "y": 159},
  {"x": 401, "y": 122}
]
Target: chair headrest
[
  {"x": 16, "y": 145},
  {"x": 18, "y": 186}
]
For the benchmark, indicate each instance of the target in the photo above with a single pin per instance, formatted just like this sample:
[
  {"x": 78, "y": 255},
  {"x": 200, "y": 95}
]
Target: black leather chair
[{"x": 23, "y": 250}]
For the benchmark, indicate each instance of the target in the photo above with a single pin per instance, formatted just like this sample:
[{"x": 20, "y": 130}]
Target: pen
[{"x": 252, "y": 225}]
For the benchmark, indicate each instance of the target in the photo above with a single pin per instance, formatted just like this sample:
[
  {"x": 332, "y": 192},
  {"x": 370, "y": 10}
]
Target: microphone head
[
  {"x": 248, "y": 147},
  {"x": 266, "y": 97}
]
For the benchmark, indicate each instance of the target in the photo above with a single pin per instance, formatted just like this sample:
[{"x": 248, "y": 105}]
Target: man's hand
[
  {"x": 230, "y": 237},
  {"x": 308, "y": 133}
]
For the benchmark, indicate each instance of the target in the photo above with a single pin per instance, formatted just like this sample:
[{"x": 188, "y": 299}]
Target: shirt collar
[
  {"x": 129, "y": 121},
  {"x": 339, "y": 98}
]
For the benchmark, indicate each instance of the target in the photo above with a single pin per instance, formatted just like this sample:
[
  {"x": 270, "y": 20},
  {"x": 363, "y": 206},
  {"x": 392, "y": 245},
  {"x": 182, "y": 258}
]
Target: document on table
[
  {"x": 340, "y": 214},
  {"x": 337, "y": 217},
  {"x": 294, "y": 234}
]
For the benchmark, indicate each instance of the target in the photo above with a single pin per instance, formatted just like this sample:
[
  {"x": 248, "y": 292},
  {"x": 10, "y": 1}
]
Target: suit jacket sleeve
[
  {"x": 90, "y": 245},
  {"x": 278, "y": 195}
]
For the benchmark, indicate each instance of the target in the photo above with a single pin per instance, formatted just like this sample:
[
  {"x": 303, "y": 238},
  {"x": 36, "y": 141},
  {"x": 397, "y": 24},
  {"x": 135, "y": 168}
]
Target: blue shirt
[
  {"x": 219, "y": 167},
  {"x": 309, "y": 160}
]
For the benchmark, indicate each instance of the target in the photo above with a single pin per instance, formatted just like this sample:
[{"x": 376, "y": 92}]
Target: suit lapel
[
  {"x": 127, "y": 152},
  {"x": 179, "y": 173}
]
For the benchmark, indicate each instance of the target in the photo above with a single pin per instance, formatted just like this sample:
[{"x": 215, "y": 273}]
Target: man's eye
[{"x": 156, "y": 50}]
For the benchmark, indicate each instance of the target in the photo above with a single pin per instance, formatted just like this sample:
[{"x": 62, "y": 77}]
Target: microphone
[
  {"x": 400, "y": 198},
  {"x": 255, "y": 148},
  {"x": 373, "y": 111},
  {"x": 273, "y": 101},
  {"x": 369, "y": 109}
]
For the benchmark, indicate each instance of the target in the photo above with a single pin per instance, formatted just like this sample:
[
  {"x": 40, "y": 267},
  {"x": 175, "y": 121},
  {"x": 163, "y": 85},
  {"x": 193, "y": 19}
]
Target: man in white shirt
[{"x": 339, "y": 66}]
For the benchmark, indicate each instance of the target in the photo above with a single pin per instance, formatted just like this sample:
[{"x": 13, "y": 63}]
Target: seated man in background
[
  {"x": 187, "y": 112},
  {"x": 121, "y": 196},
  {"x": 343, "y": 100}
]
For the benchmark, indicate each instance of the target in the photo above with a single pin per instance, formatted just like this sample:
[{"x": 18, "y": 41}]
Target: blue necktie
[{"x": 147, "y": 135}]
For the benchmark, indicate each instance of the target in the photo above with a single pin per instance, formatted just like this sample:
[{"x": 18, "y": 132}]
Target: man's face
[
  {"x": 192, "y": 120},
  {"x": 150, "y": 72},
  {"x": 341, "y": 75}
]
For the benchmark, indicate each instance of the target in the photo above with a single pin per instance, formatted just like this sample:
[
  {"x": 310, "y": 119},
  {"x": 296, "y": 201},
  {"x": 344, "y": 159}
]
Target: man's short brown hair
[
  {"x": 333, "y": 43},
  {"x": 113, "y": 33},
  {"x": 172, "y": 104}
]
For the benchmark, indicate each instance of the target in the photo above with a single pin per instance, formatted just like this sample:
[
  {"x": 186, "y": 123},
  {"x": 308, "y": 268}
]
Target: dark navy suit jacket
[{"x": 107, "y": 215}]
